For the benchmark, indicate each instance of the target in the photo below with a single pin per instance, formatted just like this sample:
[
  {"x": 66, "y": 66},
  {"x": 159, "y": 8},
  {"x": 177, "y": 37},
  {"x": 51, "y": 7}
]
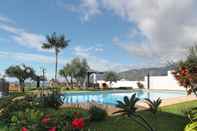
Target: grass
[{"x": 170, "y": 118}]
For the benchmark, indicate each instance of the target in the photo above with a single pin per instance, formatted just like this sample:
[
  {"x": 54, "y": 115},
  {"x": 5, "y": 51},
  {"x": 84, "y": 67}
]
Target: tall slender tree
[{"x": 57, "y": 43}]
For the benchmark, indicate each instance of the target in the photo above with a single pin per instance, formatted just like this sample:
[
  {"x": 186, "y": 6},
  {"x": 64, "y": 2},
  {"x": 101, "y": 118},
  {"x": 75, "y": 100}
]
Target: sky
[{"x": 113, "y": 35}]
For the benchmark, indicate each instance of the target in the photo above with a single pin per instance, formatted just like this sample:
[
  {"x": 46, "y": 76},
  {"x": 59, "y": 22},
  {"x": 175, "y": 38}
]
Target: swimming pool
[{"x": 110, "y": 97}]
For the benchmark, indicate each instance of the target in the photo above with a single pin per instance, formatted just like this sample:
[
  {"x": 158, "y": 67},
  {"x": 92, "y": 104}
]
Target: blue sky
[{"x": 111, "y": 35}]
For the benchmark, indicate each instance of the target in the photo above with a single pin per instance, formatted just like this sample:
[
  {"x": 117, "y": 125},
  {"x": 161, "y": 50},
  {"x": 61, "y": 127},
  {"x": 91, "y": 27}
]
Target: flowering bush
[
  {"x": 185, "y": 78},
  {"x": 78, "y": 123},
  {"x": 62, "y": 119}
]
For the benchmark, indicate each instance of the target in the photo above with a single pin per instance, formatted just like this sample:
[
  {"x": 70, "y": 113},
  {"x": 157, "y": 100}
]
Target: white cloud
[
  {"x": 167, "y": 27},
  {"x": 25, "y": 57},
  {"x": 30, "y": 40},
  {"x": 93, "y": 49},
  {"x": 87, "y": 8},
  {"x": 5, "y": 19},
  {"x": 23, "y": 37},
  {"x": 98, "y": 63}
]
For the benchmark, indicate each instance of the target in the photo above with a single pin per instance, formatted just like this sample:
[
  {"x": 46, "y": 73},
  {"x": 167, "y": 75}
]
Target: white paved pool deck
[{"x": 141, "y": 104}]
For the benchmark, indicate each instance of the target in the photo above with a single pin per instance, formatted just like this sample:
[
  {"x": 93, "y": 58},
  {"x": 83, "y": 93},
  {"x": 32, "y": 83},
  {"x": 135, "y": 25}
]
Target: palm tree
[
  {"x": 57, "y": 43},
  {"x": 153, "y": 105},
  {"x": 127, "y": 107}
]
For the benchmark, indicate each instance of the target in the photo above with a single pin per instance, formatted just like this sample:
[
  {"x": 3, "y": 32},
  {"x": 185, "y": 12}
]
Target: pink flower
[
  {"x": 78, "y": 123},
  {"x": 24, "y": 129},
  {"x": 45, "y": 120},
  {"x": 52, "y": 129}
]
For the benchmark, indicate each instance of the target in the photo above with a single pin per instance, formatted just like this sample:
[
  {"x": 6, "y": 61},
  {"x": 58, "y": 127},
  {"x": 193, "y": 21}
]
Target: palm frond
[{"x": 46, "y": 46}]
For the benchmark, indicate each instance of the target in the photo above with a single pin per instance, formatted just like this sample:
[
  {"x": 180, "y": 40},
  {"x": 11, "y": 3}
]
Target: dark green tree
[
  {"x": 111, "y": 77},
  {"x": 22, "y": 73},
  {"x": 57, "y": 43},
  {"x": 76, "y": 71},
  {"x": 67, "y": 73},
  {"x": 80, "y": 68}
]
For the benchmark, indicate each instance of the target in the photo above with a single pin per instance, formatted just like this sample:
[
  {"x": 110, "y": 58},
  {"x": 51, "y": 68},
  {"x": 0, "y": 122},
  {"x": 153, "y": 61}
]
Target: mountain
[{"x": 138, "y": 74}]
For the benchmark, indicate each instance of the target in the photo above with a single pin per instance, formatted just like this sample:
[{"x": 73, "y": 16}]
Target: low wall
[{"x": 156, "y": 82}]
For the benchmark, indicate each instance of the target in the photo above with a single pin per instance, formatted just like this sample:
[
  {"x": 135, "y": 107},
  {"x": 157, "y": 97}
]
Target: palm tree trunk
[
  {"x": 148, "y": 125},
  {"x": 141, "y": 124},
  {"x": 56, "y": 63}
]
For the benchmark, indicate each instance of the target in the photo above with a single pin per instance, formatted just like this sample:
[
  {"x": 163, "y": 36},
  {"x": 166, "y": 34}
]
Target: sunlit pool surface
[{"x": 110, "y": 97}]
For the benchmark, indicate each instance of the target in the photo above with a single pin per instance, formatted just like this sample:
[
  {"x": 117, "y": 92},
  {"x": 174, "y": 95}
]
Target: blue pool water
[{"x": 110, "y": 97}]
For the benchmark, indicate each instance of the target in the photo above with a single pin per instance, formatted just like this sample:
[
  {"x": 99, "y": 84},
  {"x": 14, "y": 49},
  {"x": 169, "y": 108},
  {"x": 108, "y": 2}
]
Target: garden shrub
[
  {"x": 97, "y": 113},
  {"x": 38, "y": 120},
  {"x": 53, "y": 100},
  {"x": 192, "y": 116}
]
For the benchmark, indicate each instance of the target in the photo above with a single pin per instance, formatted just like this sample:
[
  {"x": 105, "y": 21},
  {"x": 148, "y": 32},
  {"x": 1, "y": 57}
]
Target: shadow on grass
[{"x": 164, "y": 121}]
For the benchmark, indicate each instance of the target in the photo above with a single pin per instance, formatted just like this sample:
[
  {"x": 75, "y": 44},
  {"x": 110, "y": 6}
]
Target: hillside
[{"x": 138, "y": 74}]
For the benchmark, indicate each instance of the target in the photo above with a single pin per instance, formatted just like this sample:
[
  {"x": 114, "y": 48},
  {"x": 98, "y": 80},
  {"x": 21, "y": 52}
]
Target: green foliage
[
  {"x": 111, "y": 76},
  {"x": 22, "y": 73},
  {"x": 76, "y": 70},
  {"x": 188, "y": 79},
  {"x": 192, "y": 115},
  {"x": 29, "y": 118},
  {"x": 57, "y": 43},
  {"x": 128, "y": 107},
  {"x": 14, "y": 105},
  {"x": 191, "y": 127},
  {"x": 97, "y": 114},
  {"x": 153, "y": 105},
  {"x": 53, "y": 100}
]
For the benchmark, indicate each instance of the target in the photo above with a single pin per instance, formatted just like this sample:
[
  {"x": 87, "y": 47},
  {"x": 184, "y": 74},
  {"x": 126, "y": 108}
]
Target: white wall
[
  {"x": 156, "y": 82},
  {"x": 164, "y": 82}
]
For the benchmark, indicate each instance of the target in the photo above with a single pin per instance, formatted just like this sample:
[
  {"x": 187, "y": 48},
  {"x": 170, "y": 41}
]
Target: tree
[
  {"x": 186, "y": 71},
  {"x": 57, "y": 43},
  {"x": 76, "y": 71},
  {"x": 67, "y": 73},
  {"x": 111, "y": 77},
  {"x": 22, "y": 73},
  {"x": 38, "y": 79},
  {"x": 80, "y": 69}
]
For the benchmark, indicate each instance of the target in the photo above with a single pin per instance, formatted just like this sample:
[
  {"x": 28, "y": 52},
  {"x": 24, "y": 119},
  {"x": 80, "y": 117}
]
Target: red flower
[
  {"x": 75, "y": 113},
  {"x": 52, "y": 129},
  {"x": 45, "y": 120},
  {"x": 24, "y": 129},
  {"x": 78, "y": 123}
]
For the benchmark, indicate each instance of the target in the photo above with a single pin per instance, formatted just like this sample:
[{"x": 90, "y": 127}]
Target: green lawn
[{"x": 171, "y": 118}]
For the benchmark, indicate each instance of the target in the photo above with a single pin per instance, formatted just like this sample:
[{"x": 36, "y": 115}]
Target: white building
[{"x": 156, "y": 82}]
